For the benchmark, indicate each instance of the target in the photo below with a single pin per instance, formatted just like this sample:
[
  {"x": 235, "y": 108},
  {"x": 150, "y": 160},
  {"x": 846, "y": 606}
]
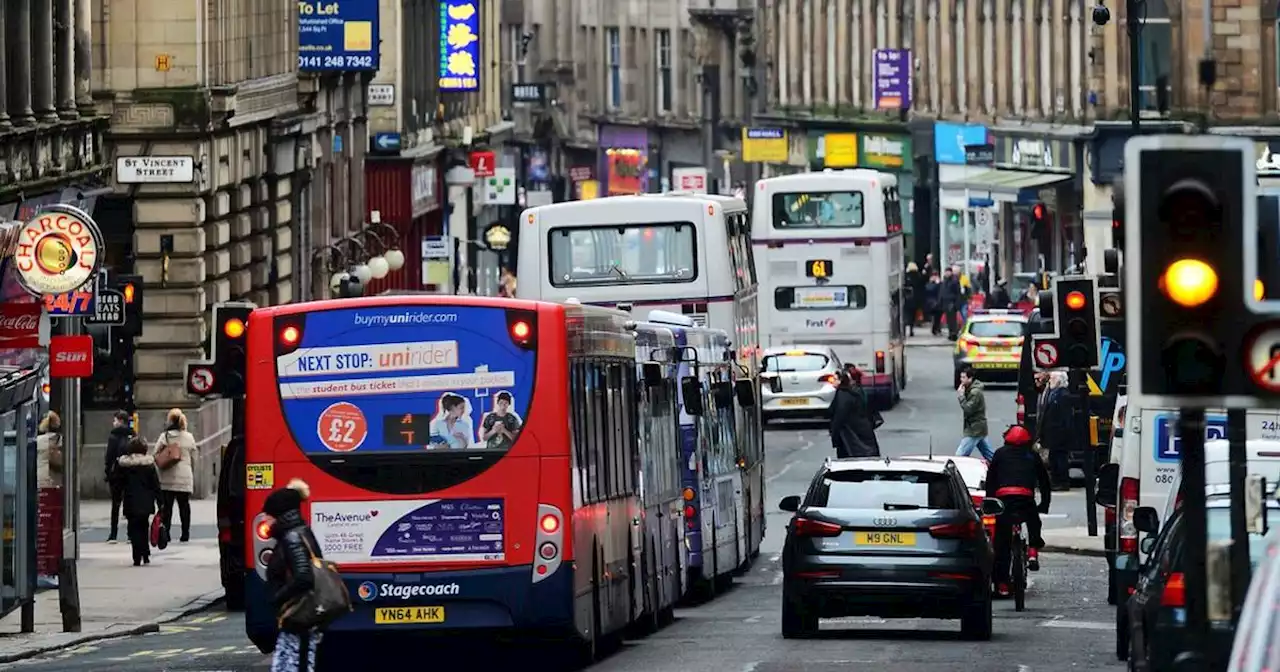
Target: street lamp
[{"x": 390, "y": 251}]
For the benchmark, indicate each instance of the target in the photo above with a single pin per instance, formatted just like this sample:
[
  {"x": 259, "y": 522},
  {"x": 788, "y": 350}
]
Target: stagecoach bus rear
[{"x": 438, "y": 484}]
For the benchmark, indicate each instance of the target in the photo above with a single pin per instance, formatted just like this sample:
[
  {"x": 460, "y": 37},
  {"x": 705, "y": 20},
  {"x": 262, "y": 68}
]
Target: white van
[
  {"x": 1262, "y": 458},
  {"x": 1142, "y": 472}
]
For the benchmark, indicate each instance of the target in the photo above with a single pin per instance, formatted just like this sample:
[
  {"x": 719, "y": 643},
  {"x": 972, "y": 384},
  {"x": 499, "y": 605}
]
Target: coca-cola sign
[{"x": 19, "y": 325}]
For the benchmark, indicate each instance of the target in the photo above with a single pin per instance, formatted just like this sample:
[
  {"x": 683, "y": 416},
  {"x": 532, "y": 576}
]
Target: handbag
[
  {"x": 159, "y": 533},
  {"x": 327, "y": 600},
  {"x": 168, "y": 455}
]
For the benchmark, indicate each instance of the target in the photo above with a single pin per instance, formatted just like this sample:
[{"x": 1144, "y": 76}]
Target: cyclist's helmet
[{"x": 1017, "y": 435}]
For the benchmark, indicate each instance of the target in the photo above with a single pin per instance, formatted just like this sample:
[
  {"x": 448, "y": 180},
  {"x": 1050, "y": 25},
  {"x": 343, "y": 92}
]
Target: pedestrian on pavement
[
  {"x": 973, "y": 403},
  {"x": 290, "y": 574},
  {"x": 117, "y": 447},
  {"x": 1055, "y": 430},
  {"x": 949, "y": 297},
  {"x": 173, "y": 454},
  {"x": 849, "y": 421},
  {"x": 49, "y": 452},
  {"x": 140, "y": 487},
  {"x": 933, "y": 303},
  {"x": 998, "y": 298},
  {"x": 912, "y": 294}
]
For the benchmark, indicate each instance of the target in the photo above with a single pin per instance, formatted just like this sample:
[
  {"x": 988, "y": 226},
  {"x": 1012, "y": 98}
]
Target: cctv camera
[
  {"x": 527, "y": 35},
  {"x": 1101, "y": 15}
]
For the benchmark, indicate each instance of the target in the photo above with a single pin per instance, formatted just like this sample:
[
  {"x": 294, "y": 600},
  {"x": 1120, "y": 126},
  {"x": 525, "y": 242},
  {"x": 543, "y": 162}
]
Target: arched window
[{"x": 1154, "y": 52}]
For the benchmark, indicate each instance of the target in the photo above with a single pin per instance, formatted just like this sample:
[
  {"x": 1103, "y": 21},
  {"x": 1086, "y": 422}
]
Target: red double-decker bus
[{"x": 472, "y": 461}]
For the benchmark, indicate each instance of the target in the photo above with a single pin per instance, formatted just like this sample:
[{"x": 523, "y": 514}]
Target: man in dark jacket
[
  {"x": 850, "y": 422},
  {"x": 117, "y": 447},
  {"x": 949, "y": 298},
  {"x": 998, "y": 298},
  {"x": 1013, "y": 476},
  {"x": 290, "y": 574}
]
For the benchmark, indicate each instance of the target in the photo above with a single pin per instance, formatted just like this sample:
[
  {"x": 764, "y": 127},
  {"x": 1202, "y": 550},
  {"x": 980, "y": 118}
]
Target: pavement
[
  {"x": 118, "y": 599},
  {"x": 1067, "y": 626}
]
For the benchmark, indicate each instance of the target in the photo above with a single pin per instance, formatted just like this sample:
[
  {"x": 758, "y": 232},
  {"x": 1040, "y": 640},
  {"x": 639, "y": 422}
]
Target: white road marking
[
  {"x": 1056, "y": 516},
  {"x": 785, "y": 468},
  {"x": 777, "y": 578},
  {"x": 753, "y": 619},
  {"x": 751, "y": 667},
  {"x": 1077, "y": 625}
]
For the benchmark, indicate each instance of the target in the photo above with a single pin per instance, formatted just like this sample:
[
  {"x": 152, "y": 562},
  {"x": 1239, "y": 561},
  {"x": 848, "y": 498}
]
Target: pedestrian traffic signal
[
  {"x": 1077, "y": 312},
  {"x": 130, "y": 287},
  {"x": 231, "y": 324},
  {"x": 1117, "y": 215},
  {"x": 1189, "y": 209}
]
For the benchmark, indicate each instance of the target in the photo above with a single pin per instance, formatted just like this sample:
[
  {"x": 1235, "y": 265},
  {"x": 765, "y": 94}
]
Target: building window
[
  {"x": 1155, "y": 55},
  {"x": 613, "y": 60},
  {"x": 663, "y": 94}
]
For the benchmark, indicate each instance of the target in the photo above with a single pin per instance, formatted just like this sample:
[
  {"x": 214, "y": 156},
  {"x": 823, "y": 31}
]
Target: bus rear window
[
  {"x": 828, "y": 297},
  {"x": 875, "y": 489},
  {"x": 628, "y": 254},
  {"x": 406, "y": 399},
  {"x": 818, "y": 210}
]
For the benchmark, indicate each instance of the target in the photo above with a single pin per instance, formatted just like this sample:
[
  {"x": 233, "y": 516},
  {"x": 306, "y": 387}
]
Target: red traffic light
[
  {"x": 1038, "y": 211},
  {"x": 1075, "y": 300}
]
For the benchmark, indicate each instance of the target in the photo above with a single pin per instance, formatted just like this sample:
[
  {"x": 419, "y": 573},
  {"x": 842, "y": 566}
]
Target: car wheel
[
  {"x": 1122, "y": 633},
  {"x": 976, "y": 623},
  {"x": 797, "y": 620}
]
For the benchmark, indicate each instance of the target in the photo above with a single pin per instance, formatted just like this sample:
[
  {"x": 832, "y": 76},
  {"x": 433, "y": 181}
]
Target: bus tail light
[
  {"x": 288, "y": 331},
  {"x": 264, "y": 558},
  {"x": 263, "y": 529},
  {"x": 262, "y": 545},
  {"x": 549, "y": 540},
  {"x": 522, "y": 326},
  {"x": 879, "y": 361}
]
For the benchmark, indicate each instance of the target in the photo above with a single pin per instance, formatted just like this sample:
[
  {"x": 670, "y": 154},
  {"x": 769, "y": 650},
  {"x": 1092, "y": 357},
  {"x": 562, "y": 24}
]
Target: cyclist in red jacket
[{"x": 1013, "y": 476}]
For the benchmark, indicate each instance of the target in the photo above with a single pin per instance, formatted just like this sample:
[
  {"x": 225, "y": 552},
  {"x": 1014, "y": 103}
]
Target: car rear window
[
  {"x": 996, "y": 329},
  {"x": 875, "y": 489},
  {"x": 804, "y": 362},
  {"x": 1219, "y": 529}
]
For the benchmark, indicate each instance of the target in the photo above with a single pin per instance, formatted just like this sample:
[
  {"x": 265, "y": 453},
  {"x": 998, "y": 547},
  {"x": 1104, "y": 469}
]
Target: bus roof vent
[{"x": 667, "y": 317}]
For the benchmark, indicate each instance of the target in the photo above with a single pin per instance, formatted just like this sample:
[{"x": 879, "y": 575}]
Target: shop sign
[
  {"x": 581, "y": 173},
  {"x": 1039, "y": 154},
  {"x": 423, "y": 192},
  {"x": 886, "y": 152},
  {"x": 765, "y": 145},
  {"x": 19, "y": 326},
  {"x": 70, "y": 356},
  {"x": 459, "y": 46},
  {"x": 840, "y": 150},
  {"x": 690, "y": 179},
  {"x": 483, "y": 163},
  {"x": 57, "y": 251}
]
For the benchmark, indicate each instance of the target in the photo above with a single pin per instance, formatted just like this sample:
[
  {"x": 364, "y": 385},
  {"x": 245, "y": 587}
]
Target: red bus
[{"x": 450, "y": 495}]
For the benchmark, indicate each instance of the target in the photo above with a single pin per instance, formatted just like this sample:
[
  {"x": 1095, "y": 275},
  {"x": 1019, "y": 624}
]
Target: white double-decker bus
[
  {"x": 681, "y": 253},
  {"x": 829, "y": 258}
]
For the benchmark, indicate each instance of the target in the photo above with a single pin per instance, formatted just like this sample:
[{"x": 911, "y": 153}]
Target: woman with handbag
[
  {"x": 141, "y": 496},
  {"x": 308, "y": 592},
  {"x": 174, "y": 450},
  {"x": 49, "y": 452}
]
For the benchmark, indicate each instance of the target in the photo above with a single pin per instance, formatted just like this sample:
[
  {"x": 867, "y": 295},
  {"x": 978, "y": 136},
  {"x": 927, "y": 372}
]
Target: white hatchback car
[{"x": 798, "y": 381}]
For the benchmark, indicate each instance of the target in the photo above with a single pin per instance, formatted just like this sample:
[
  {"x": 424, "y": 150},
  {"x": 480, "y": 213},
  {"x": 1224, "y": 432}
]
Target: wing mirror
[
  {"x": 652, "y": 374},
  {"x": 1147, "y": 545},
  {"x": 722, "y": 392},
  {"x": 691, "y": 391},
  {"x": 746, "y": 392},
  {"x": 1145, "y": 519},
  {"x": 1107, "y": 493},
  {"x": 992, "y": 506},
  {"x": 790, "y": 503}
]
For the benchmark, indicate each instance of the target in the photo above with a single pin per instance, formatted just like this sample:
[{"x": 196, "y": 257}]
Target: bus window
[
  {"x": 622, "y": 255},
  {"x": 818, "y": 210},
  {"x": 824, "y": 297}
]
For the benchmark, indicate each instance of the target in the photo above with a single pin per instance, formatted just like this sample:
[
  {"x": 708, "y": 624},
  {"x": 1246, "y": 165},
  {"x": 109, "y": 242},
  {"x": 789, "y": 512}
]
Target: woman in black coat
[
  {"x": 141, "y": 496},
  {"x": 850, "y": 422},
  {"x": 290, "y": 573}
]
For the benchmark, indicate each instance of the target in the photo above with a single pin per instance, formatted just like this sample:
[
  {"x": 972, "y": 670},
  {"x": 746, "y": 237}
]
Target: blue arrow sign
[{"x": 387, "y": 142}]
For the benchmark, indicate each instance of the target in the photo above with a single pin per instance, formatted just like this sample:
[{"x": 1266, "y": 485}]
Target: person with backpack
[
  {"x": 140, "y": 491},
  {"x": 118, "y": 442},
  {"x": 294, "y": 574},
  {"x": 173, "y": 453}
]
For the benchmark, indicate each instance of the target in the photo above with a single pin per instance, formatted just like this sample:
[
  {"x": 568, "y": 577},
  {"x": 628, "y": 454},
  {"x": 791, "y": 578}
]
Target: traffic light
[
  {"x": 130, "y": 286},
  {"x": 1267, "y": 285},
  {"x": 1077, "y": 312},
  {"x": 1117, "y": 215},
  {"x": 231, "y": 333},
  {"x": 1190, "y": 209},
  {"x": 1039, "y": 223}
]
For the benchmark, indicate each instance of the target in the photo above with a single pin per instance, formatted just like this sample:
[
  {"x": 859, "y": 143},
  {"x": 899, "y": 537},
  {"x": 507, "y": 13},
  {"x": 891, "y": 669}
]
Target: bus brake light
[
  {"x": 264, "y": 530},
  {"x": 548, "y": 551},
  {"x": 520, "y": 331},
  {"x": 549, "y": 524},
  {"x": 290, "y": 335}
]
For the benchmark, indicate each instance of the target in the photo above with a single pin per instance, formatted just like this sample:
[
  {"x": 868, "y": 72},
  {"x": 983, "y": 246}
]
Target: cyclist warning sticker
[
  {"x": 259, "y": 476},
  {"x": 342, "y": 427}
]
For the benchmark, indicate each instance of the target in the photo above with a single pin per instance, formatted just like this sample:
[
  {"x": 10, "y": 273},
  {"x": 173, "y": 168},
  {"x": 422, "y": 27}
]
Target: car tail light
[
  {"x": 1128, "y": 502},
  {"x": 1022, "y": 410},
  {"x": 264, "y": 530},
  {"x": 879, "y": 361},
  {"x": 977, "y": 501},
  {"x": 1175, "y": 591},
  {"x": 804, "y": 527},
  {"x": 829, "y": 379},
  {"x": 968, "y": 341},
  {"x": 966, "y": 530}
]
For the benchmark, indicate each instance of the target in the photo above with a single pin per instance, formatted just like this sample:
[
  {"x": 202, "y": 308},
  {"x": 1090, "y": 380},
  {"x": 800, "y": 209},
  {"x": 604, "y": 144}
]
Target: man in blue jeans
[{"x": 974, "y": 406}]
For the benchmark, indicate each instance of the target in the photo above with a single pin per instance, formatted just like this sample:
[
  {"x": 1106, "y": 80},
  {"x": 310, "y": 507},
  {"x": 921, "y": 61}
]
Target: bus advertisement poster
[{"x": 441, "y": 530}]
